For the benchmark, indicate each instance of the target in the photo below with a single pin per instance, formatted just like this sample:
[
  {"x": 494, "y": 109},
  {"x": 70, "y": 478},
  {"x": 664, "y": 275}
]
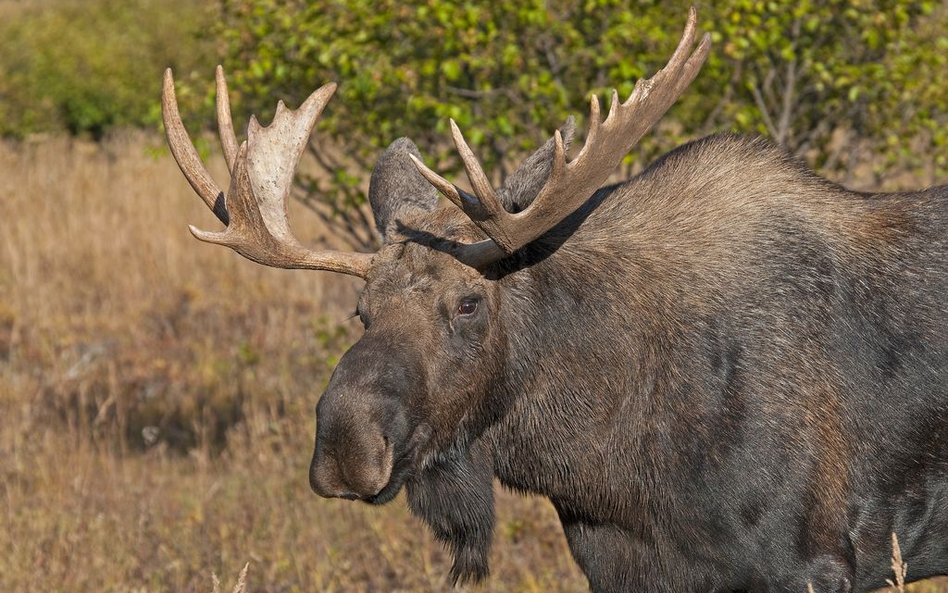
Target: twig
[
  {"x": 789, "y": 88},
  {"x": 899, "y": 567},
  {"x": 762, "y": 106}
]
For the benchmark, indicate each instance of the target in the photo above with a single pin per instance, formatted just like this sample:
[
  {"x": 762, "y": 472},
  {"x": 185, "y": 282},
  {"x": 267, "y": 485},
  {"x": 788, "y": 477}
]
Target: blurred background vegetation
[
  {"x": 156, "y": 394},
  {"x": 89, "y": 66}
]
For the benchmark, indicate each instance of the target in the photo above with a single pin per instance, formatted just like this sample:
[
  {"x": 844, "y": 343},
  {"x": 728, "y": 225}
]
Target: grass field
[{"x": 157, "y": 394}]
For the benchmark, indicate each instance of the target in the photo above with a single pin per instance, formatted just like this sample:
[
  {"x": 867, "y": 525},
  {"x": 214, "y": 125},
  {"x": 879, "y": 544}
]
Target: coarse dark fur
[{"x": 726, "y": 373}]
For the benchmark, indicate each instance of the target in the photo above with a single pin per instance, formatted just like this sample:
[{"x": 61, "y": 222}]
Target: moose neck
[
  {"x": 623, "y": 331},
  {"x": 559, "y": 404},
  {"x": 616, "y": 363}
]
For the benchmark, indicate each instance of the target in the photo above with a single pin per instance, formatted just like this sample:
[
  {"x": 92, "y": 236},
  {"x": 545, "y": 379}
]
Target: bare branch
[
  {"x": 789, "y": 88},
  {"x": 764, "y": 111}
]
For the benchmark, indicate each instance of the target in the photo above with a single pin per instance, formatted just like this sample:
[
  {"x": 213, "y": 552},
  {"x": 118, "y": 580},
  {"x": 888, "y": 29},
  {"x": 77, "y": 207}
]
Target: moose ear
[
  {"x": 523, "y": 185},
  {"x": 397, "y": 189}
]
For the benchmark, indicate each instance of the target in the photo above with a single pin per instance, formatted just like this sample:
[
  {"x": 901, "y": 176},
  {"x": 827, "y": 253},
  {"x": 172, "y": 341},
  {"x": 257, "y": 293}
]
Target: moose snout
[
  {"x": 357, "y": 467},
  {"x": 363, "y": 423}
]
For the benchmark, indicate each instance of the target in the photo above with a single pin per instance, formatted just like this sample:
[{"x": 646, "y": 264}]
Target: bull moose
[{"x": 726, "y": 373}]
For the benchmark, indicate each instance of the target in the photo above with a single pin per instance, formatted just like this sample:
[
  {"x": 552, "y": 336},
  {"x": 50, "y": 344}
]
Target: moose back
[{"x": 726, "y": 373}]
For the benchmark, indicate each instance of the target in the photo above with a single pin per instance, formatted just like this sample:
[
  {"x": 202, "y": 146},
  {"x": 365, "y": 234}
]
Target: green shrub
[
  {"x": 832, "y": 81},
  {"x": 91, "y": 65}
]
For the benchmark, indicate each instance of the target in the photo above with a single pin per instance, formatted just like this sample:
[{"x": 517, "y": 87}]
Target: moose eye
[{"x": 467, "y": 307}]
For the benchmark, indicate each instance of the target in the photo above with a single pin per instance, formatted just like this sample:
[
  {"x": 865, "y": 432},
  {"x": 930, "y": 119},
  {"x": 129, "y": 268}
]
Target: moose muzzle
[
  {"x": 355, "y": 462},
  {"x": 363, "y": 449}
]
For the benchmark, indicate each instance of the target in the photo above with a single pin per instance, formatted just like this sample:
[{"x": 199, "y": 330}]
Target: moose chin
[{"x": 726, "y": 373}]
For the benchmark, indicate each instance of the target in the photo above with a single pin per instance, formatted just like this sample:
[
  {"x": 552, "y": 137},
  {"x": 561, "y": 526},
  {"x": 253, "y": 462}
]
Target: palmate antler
[
  {"x": 262, "y": 170},
  {"x": 570, "y": 184}
]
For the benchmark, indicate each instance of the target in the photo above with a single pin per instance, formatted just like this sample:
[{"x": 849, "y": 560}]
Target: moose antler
[
  {"x": 571, "y": 183},
  {"x": 262, "y": 170}
]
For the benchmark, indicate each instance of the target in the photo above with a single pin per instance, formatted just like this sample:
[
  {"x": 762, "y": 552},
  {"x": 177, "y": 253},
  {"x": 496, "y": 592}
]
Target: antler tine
[
  {"x": 184, "y": 153},
  {"x": 614, "y": 104},
  {"x": 570, "y": 184},
  {"x": 262, "y": 171},
  {"x": 479, "y": 182},
  {"x": 594, "y": 119},
  {"x": 460, "y": 198},
  {"x": 693, "y": 66},
  {"x": 684, "y": 64},
  {"x": 225, "y": 126},
  {"x": 687, "y": 41},
  {"x": 238, "y": 177}
]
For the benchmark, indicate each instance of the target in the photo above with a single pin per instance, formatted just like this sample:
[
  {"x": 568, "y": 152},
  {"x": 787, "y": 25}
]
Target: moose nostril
[
  {"x": 329, "y": 479},
  {"x": 327, "y": 487},
  {"x": 324, "y": 478}
]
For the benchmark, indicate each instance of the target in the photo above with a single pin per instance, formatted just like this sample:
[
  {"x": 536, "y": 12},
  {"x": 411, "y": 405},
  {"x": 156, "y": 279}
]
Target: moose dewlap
[{"x": 726, "y": 373}]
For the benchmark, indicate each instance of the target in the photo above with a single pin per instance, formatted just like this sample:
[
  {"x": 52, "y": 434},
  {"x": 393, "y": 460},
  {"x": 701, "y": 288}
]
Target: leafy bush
[
  {"x": 89, "y": 66},
  {"x": 829, "y": 80},
  {"x": 836, "y": 82},
  {"x": 807, "y": 73}
]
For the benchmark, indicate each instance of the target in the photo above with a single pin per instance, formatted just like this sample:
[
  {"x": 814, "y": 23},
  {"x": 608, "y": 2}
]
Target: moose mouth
[
  {"x": 403, "y": 468},
  {"x": 400, "y": 474}
]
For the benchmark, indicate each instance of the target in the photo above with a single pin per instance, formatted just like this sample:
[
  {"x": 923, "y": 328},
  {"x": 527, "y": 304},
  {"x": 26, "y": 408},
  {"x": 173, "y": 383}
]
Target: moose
[{"x": 725, "y": 373}]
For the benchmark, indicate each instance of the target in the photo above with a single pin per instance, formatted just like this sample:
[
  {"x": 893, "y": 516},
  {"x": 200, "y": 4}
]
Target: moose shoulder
[{"x": 726, "y": 373}]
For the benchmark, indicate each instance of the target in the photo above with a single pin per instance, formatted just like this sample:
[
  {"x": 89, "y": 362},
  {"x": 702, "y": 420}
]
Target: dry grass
[
  {"x": 156, "y": 399},
  {"x": 114, "y": 318},
  {"x": 124, "y": 343}
]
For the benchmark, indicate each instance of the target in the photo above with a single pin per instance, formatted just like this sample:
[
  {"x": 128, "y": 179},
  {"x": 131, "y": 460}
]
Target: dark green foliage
[
  {"x": 832, "y": 81},
  {"x": 841, "y": 83}
]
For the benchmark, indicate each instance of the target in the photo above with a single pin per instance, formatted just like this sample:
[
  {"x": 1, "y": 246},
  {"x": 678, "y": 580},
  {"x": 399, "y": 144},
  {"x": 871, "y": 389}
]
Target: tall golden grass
[{"x": 156, "y": 402}]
